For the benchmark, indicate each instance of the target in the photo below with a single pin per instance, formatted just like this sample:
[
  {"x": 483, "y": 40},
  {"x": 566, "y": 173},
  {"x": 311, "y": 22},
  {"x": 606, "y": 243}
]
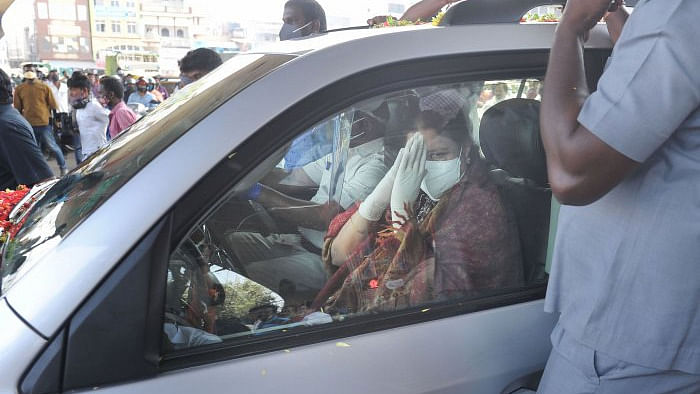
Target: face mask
[
  {"x": 53, "y": 78},
  {"x": 290, "y": 31},
  {"x": 440, "y": 176},
  {"x": 185, "y": 80},
  {"x": 141, "y": 89},
  {"x": 79, "y": 103}
]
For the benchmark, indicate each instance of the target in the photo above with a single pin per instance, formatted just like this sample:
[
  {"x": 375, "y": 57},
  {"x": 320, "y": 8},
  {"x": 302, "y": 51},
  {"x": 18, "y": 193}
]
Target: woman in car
[{"x": 446, "y": 233}]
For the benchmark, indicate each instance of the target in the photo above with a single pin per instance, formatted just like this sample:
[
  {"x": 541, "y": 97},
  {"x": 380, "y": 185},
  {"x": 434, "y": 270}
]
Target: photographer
[{"x": 88, "y": 117}]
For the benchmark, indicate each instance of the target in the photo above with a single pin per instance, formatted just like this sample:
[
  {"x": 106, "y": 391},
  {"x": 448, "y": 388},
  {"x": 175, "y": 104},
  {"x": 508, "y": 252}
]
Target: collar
[{"x": 369, "y": 148}]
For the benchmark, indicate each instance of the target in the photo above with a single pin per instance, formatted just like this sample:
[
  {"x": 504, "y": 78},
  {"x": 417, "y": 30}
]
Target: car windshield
[{"x": 65, "y": 203}]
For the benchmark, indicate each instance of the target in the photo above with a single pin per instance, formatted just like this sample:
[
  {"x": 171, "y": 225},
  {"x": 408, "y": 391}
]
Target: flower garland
[
  {"x": 8, "y": 200},
  {"x": 394, "y": 22}
]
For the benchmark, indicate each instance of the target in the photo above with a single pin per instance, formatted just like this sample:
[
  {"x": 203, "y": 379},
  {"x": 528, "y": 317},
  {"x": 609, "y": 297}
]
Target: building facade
[{"x": 62, "y": 33}]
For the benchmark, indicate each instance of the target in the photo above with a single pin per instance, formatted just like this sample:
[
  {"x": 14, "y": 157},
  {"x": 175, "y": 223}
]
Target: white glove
[
  {"x": 408, "y": 179},
  {"x": 376, "y": 203}
]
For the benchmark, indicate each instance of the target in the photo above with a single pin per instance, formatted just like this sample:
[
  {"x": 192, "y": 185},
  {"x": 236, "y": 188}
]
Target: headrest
[{"x": 510, "y": 139}]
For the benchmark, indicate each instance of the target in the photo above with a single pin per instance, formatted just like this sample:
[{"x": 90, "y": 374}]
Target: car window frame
[{"x": 205, "y": 197}]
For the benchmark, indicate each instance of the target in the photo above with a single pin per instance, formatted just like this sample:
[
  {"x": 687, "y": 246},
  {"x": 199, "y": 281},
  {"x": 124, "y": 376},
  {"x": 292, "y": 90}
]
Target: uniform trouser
[
  {"x": 574, "y": 368},
  {"x": 44, "y": 137}
]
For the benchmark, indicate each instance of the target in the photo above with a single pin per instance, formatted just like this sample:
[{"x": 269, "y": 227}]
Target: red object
[
  {"x": 373, "y": 284},
  {"x": 8, "y": 200}
]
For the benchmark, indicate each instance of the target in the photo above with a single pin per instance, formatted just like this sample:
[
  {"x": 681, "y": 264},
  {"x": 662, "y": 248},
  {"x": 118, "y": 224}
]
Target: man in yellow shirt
[{"x": 34, "y": 100}]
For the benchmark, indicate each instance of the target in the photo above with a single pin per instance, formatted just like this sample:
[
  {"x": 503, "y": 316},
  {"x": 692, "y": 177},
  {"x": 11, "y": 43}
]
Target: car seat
[{"x": 511, "y": 143}]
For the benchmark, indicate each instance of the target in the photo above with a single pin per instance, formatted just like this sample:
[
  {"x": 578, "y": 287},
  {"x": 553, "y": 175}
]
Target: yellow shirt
[{"x": 34, "y": 100}]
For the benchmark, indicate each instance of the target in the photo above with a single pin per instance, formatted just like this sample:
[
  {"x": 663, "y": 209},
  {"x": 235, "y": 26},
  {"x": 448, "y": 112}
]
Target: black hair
[
  {"x": 200, "y": 59},
  {"x": 5, "y": 88},
  {"x": 111, "y": 84},
  {"x": 457, "y": 129},
  {"x": 78, "y": 80},
  {"x": 312, "y": 11}
]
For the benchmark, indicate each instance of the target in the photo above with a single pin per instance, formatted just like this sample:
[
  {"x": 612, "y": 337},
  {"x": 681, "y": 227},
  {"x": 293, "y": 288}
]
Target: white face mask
[{"x": 440, "y": 176}]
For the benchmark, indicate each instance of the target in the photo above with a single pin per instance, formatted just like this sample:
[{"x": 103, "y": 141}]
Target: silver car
[{"x": 158, "y": 266}]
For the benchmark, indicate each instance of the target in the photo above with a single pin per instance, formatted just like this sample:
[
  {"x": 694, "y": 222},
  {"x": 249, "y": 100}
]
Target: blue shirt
[
  {"x": 21, "y": 160},
  {"x": 626, "y": 268},
  {"x": 145, "y": 100}
]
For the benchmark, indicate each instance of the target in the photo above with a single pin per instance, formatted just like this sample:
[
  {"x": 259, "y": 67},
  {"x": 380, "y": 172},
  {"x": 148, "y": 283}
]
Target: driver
[{"x": 292, "y": 257}]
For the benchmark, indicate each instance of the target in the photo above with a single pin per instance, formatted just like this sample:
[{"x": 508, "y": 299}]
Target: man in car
[
  {"x": 302, "y": 18},
  {"x": 196, "y": 64},
  {"x": 625, "y": 164},
  {"x": 21, "y": 161}
]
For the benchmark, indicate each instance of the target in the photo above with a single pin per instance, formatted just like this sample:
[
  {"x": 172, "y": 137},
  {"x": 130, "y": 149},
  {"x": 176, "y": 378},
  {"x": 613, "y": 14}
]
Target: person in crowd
[
  {"x": 129, "y": 86},
  {"x": 35, "y": 101},
  {"x": 302, "y": 18},
  {"x": 94, "y": 83},
  {"x": 624, "y": 164},
  {"x": 434, "y": 228},
  {"x": 59, "y": 90},
  {"x": 151, "y": 87},
  {"x": 141, "y": 95},
  {"x": 91, "y": 117},
  {"x": 500, "y": 92},
  {"x": 121, "y": 116},
  {"x": 196, "y": 64},
  {"x": 159, "y": 87},
  {"x": 21, "y": 160}
]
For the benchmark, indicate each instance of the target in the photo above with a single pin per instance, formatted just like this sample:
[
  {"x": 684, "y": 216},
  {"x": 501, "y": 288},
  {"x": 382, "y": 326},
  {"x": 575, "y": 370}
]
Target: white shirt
[
  {"x": 364, "y": 168},
  {"x": 61, "y": 96},
  {"x": 92, "y": 122}
]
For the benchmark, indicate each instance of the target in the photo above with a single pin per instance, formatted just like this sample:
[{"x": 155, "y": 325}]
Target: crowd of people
[{"x": 55, "y": 114}]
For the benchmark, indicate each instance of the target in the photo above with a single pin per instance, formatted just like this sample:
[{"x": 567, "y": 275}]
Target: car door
[{"x": 192, "y": 307}]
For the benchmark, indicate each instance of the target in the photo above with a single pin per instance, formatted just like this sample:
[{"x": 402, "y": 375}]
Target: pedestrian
[
  {"x": 302, "y": 18},
  {"x": 120, "y": 116},
  {"x": 34, "y": 100},
  {"x": 94, "y": 83},
  {"x": 91, "y": 118},
  {"x": 21, "y": 160},
  {"x": 196, "y": 64},
  {"x": 625, "y": 164},
  {"x": 60, "y": 91}
]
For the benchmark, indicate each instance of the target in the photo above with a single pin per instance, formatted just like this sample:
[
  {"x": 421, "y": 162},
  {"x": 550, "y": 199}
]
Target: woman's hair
[
  {"x": 79, "y": 80},
  {"x": 457, "y": 129}
]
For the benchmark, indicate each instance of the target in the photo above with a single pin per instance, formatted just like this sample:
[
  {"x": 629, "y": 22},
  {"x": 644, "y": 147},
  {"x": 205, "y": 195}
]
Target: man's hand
[{"x": 580, "y": 16}]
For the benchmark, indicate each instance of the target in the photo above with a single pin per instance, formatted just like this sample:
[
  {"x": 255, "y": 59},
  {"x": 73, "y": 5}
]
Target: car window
[
  {"x": 433, "y": 194},
  {"x": 74, "y": 197}
]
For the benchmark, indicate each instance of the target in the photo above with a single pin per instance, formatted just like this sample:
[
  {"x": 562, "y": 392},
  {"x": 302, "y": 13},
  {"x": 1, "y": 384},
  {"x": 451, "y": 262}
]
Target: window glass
[{"x": 411, "y": 198}]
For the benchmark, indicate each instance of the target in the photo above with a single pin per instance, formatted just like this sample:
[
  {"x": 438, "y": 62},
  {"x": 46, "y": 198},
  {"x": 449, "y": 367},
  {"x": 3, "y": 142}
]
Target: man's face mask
[
  {"x": 290, "y": 31},
  {"x": 142, "y": 89},
  {"x": 440, "y": 176},
  {"x": 79, "y": 102},
  {"x": 53, "y": 78},
  {"x": 185, "y": 80}
]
